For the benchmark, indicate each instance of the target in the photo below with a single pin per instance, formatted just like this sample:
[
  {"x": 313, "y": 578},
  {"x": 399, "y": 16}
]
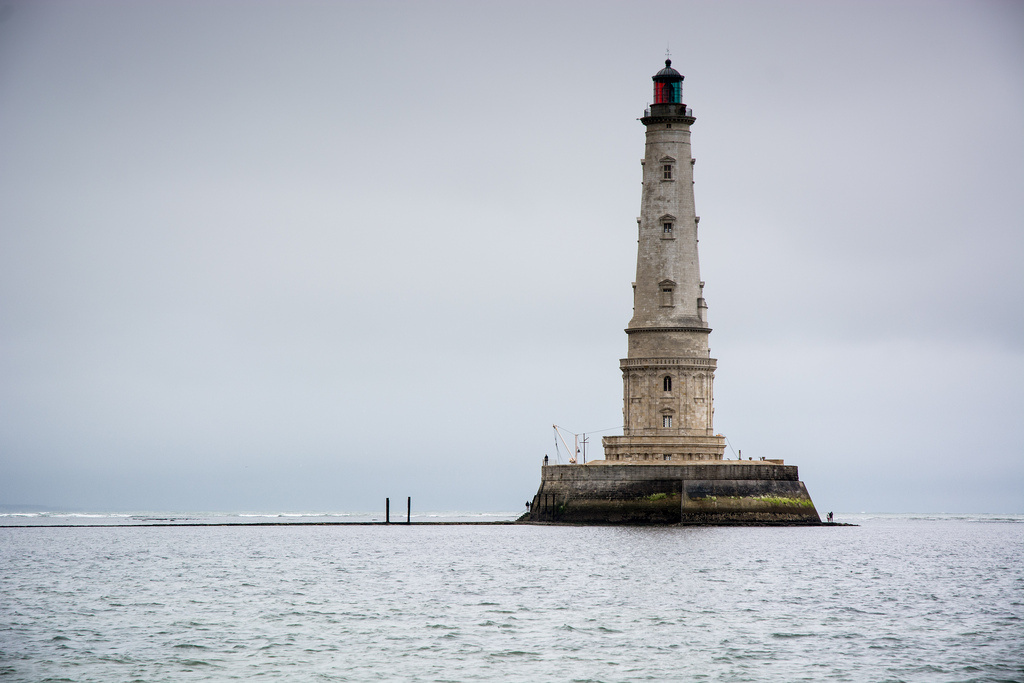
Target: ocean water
[
  {"x": 219, "y": 518},
  {"x": 898, "y": 598}
]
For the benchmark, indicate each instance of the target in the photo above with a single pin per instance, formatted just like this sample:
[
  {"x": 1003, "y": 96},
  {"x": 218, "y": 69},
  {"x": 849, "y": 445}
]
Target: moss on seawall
[
  {"x": 784, "y": 502},
  {"x": 781, "y": 501}
]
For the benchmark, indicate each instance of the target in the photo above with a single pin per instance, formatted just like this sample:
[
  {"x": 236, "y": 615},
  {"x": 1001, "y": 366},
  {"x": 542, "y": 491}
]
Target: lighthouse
[
  {"x": 667, "y": 467},
  {"x": 668, "y": 374}
]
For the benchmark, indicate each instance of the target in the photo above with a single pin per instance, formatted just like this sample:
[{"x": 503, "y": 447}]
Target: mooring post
[
  {"x": 387, "y": 511},
  {"x": 408, "y": 510}
]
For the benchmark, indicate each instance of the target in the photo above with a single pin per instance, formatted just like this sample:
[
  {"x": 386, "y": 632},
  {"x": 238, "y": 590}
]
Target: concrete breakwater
[{"x": 723, "y": 492}]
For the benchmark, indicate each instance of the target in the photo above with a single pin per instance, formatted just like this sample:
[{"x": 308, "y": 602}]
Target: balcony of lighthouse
[{"x": 655, "y": 111}]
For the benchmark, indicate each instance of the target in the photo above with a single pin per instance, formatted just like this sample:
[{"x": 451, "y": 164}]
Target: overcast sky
[{"x": 306, "y": 255}]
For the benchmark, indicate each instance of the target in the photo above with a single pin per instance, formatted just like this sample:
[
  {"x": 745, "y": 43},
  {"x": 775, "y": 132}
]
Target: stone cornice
[
  {"x": 695, "y": 440},
  {"x": 698, "y": 363},
  {"x": 638, "y": 330}
]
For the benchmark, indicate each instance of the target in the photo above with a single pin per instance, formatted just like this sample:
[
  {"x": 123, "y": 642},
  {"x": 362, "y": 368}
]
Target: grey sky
[{"x": 308, "y": 255}]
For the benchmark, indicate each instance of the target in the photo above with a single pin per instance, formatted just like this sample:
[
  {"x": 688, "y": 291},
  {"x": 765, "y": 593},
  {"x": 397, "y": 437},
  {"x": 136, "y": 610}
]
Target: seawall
[{"x": 723, "y": 492}]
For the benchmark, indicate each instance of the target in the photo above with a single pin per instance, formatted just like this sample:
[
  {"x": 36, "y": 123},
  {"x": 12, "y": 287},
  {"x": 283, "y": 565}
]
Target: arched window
[{"x": 667, "y": 383}]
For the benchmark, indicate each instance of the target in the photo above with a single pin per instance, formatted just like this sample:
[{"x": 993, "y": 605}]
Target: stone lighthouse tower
[
  {"x": 668, "y": 374},
  {"x": 668, "y": 465}
]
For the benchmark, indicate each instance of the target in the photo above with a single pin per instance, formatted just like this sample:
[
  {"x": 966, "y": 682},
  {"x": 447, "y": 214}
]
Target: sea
[{"x": 315, "y": 597}]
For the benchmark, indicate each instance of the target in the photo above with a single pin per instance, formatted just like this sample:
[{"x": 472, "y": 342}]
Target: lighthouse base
[{"x": 725, "y": 492}]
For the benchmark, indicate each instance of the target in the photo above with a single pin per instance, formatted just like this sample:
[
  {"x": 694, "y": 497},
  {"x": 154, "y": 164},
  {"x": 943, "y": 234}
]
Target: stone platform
[{"x": 727, "y": 492}]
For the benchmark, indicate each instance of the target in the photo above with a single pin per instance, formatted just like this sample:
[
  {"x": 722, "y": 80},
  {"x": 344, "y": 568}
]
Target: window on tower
[
  {"x": 666, "y": 172},
  {"x": 667, "y": 289},
  {"x": 666, "y": 421},
  {"x": 667, "y": 383},
  {"x": 668, "y": 226}
]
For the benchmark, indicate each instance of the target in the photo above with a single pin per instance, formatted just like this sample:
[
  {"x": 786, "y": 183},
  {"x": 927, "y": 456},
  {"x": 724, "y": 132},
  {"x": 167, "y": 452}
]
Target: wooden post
[
  {"x": 387, "y": 511},
  {"x": 408, "y": 510}
]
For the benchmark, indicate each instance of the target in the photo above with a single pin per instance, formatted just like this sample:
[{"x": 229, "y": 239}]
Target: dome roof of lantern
[{"x": 668, "y": 73}]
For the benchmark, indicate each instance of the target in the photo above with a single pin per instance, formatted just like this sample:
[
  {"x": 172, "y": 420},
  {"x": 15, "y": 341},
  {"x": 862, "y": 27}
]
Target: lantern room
[{"x": 668, "y": 85}]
